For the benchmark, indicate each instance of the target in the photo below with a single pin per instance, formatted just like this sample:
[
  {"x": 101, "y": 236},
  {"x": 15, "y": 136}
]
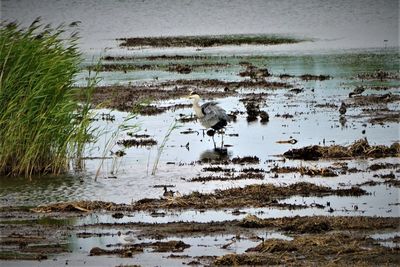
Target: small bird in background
[
  {"x": 210, "y": 115},
  {"x": 168, "y": 193},
  {"x": 343, "y": 108},
  {"x": 357, "y": 91}
]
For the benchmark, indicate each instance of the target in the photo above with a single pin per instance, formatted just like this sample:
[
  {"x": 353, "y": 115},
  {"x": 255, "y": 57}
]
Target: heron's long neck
[{"x": 197, "y": 109}]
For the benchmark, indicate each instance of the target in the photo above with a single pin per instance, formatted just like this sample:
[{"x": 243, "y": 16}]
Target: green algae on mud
[{"x": 208, "y": 40}]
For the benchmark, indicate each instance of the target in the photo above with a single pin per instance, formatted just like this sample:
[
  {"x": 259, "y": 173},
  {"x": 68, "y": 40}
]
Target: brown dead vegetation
[
  {"x": 359, "y": 149},
  {"x": 137, "y": 142},
  {"x": 336, "y": 249},
  {"x": 228, "y": 177},
  {"x": 374, "y": 99},
  {"x": 236, "y": 160},
  {"x": 288, "y": 225},
  {"x": 324, "y": 172},
  {"x": 132, "y": 97},
  {"x": 250, "y": 196},
  {"x": 129, "y": 250},
  {"x": 380, "y": 166},
  {"x": 309, "y": 77},
  {"x": 206, "y": 40},
  {"x": 379, "y": 75}
]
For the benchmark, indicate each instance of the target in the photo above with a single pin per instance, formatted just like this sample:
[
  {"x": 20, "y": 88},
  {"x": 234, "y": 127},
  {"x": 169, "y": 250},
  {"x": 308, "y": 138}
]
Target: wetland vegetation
[{"x": 42, "y": 125}]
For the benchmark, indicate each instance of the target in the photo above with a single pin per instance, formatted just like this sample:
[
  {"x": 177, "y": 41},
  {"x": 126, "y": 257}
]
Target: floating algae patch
[
  {"x": 207, "y": 41},
  {"x": 359, "y": 149}
]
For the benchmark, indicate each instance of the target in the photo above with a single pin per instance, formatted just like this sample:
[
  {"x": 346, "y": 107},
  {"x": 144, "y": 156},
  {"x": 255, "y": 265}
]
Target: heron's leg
[
  {"x": 222, "y": 139},
  {"x": 215, "y": 146}
]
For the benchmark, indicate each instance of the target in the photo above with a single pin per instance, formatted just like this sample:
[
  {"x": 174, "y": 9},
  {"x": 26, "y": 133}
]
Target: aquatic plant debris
[
  {"x": 262, "y": 195},
  {"x": 359, "y": 149},
  {"x": 208, "y": 40},
  {"x": 344, "y": 248}
]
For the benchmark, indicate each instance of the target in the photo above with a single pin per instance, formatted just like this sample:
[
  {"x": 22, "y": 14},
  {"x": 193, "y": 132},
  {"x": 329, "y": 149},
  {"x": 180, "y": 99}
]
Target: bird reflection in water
[{"x": 215, "y": 155}]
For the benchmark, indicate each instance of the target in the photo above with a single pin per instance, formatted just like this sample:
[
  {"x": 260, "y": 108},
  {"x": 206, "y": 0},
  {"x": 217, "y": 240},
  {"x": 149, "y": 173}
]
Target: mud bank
[
  {"x": 133, "y": 98},
  {"x": 263, "y": 195},
  {"x": 336, "y": 249},
  {"x": 207, "y": 41},
  {"x": 307, "y": 240}
]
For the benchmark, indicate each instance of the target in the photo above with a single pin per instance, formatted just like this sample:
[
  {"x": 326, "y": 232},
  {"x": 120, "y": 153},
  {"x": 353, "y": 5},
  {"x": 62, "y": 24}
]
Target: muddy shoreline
[{"x": 304, "y": 232}]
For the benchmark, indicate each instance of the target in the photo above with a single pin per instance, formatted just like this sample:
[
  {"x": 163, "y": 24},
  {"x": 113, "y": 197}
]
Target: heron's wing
[{"x": 213, "y": 112}]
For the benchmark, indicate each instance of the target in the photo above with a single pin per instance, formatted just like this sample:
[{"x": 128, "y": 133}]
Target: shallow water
[
  {"x": 335, "y": 24},
  {"x": 129, "y": 178}
]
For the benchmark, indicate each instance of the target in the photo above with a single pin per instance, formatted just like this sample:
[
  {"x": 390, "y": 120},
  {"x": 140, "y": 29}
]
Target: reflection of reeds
[
  {"x": 42, "y": 126},
  {"x": 112, "y": 141},
  {"x": 173, "y": 126}
]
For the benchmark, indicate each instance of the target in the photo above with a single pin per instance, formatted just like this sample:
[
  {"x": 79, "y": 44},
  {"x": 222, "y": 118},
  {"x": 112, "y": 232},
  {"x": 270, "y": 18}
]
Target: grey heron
[{"x": 210, "y": 115}]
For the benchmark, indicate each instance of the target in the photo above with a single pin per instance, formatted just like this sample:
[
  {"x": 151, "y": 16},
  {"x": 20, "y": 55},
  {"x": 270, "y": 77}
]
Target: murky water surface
[{"x": 335, "y": 24}]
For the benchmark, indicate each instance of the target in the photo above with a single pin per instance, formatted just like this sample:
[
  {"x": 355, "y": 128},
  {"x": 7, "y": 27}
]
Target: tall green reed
[{"x": 42, "y": 125}]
